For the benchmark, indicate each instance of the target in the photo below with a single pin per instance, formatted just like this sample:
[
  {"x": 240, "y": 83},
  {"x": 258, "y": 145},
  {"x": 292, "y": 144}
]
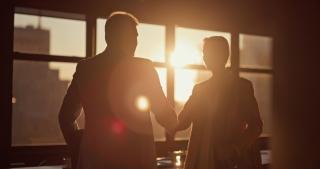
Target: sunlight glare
[
  {"x": 185, "y": 54},
  {"x": 184, "y": 80}
]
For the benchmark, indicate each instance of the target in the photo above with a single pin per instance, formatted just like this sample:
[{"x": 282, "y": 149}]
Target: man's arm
[
  {"x": 160, "y": 106},
  {"x": 252, "y": 117},
  {"x": 70, "y": 110},
  {"x": 185, "y": 116}
]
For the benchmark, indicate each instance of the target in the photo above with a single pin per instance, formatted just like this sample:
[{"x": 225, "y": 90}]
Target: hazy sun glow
[
  {"x": 185, "y": 54},
  {"x": 142, "y": 103},
  {"x": 184, "y": 81}
]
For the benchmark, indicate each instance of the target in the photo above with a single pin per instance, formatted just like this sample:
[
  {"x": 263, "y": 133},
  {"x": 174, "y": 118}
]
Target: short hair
[
  {"x": 214, "y": 40},
  {"x": 118, "y": 19},
  {"x": 218, "y": 43}
]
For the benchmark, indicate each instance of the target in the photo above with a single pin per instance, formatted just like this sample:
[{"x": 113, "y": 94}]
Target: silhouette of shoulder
[
  {"x": 100, "y": 62},
  {"x": 93, "y": 60},
  {"x": 245, "y": 85},
  {"x": 143, "y": 64},
  {"x": 143, "y": 61},
  {"x": 203, "y": 86}
]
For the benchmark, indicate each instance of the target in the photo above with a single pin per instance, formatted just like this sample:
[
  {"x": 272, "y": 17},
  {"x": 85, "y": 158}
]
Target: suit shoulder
[
  {"x": 245, "y": 84},
  {"x": 244, "y": 81},
  {"x": 143, "y": 61},
  {"x": 201, "y": 86},
  {"x": 143, "y": 64},
  {"x": 88, "y": 61}
]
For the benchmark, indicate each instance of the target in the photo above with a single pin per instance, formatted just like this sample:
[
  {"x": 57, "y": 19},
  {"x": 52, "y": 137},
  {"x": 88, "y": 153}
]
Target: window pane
[
  {"x": 38, "y": 89},
  {"x": 255, "y": 51},
  {"x": 262, "y": 84},
  {"x": 158, "y": 130},
  {"x": 188, "y": 46},
  {"x": 100, "y": 40},
  {"x": 185, "y": 79},
  {"x": 48, "y": 35},
  {"x": 151, "y": 40}
]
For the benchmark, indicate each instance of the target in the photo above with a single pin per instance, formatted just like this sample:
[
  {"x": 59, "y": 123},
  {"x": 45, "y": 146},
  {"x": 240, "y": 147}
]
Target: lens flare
[
  {"x": 117, "y": 127},
  {"x": 142, "y": 103}
]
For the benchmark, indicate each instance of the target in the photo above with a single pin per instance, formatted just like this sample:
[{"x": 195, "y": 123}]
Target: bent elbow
[{"x": 259, "y": 128}]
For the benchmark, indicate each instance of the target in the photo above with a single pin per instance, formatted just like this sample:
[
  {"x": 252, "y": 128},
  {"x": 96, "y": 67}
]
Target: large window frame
[
  {"x": 55, "y": 152},
  {"x": 20, "y": 155}
]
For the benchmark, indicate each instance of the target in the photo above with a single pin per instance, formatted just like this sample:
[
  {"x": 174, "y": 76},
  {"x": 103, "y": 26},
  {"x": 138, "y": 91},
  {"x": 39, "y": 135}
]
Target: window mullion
[
  {"x": 170, "y": 40},
  {"x": 235, "y": 49},
  {"x": 169, "y": 46},
  {"x": 91, "y": 27}
]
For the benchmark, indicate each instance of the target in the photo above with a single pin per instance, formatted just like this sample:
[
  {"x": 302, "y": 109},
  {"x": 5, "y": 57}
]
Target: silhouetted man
[
  {"x": 116, "y": 92},
  {"x": 224, "y": 115}
]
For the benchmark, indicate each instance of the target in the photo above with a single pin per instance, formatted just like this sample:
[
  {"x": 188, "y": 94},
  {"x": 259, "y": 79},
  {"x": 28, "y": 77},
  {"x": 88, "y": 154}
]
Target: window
[
  {"x": 255, "y": 51},
  {"x": 100, "y": 40},
  {"x": 39, "y": 85},
  {"x": 188, "y": 48},
  {"x": 256, "y": 66},
  {"x": 39, "y": 88},
  {"x": 49, "y": 35},
  {"x": 67, "y": 37}
]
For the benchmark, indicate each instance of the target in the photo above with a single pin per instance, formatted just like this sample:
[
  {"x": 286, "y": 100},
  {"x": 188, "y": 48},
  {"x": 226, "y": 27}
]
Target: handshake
[{"x": 178, "y": 125}]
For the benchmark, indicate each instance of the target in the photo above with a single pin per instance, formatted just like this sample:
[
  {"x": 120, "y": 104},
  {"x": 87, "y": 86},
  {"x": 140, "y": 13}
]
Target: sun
[{"x": 184, "y": 54}]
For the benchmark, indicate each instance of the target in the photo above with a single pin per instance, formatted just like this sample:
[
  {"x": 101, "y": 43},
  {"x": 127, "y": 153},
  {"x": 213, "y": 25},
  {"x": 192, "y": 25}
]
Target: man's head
[
  {"x": 215, "y": 53},
  {"x": 121, "y": 33}
]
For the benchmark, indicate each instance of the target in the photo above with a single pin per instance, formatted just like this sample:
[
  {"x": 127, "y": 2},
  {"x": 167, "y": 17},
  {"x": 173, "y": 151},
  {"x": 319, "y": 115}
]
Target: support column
[{"x": 6, "y": 64}]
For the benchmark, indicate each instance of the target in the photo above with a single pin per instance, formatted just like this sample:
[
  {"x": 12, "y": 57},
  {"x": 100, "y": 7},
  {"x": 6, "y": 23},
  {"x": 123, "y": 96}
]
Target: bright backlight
[{"x": 185, "y": 54}]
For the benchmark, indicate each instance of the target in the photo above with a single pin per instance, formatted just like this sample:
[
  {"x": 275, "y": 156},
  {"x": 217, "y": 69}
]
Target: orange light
[
  {"x": 184, "y": 54},
  {"x": 142, "y": 103}
]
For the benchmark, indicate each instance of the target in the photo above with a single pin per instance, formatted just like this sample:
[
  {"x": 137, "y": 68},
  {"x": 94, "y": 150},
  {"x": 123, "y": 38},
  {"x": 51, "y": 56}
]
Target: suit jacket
[
  {"x": 225, "y": 117},
  {"x": 117, "y": 134}
]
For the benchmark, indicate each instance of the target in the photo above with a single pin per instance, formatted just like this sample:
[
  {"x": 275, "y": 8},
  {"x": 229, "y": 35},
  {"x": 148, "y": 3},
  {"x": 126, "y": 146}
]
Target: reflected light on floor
[
  {"x": 14, "y": 100},
  {"x": 178, "y": 161},
  {"x": 142, "y": 103}
]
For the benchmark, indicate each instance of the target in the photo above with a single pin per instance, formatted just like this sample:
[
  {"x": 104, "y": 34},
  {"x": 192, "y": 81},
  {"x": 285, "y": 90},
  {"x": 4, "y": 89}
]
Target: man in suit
[
  {"x": 109, "y": 88},
  {"x": 224, "y": 115}
]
